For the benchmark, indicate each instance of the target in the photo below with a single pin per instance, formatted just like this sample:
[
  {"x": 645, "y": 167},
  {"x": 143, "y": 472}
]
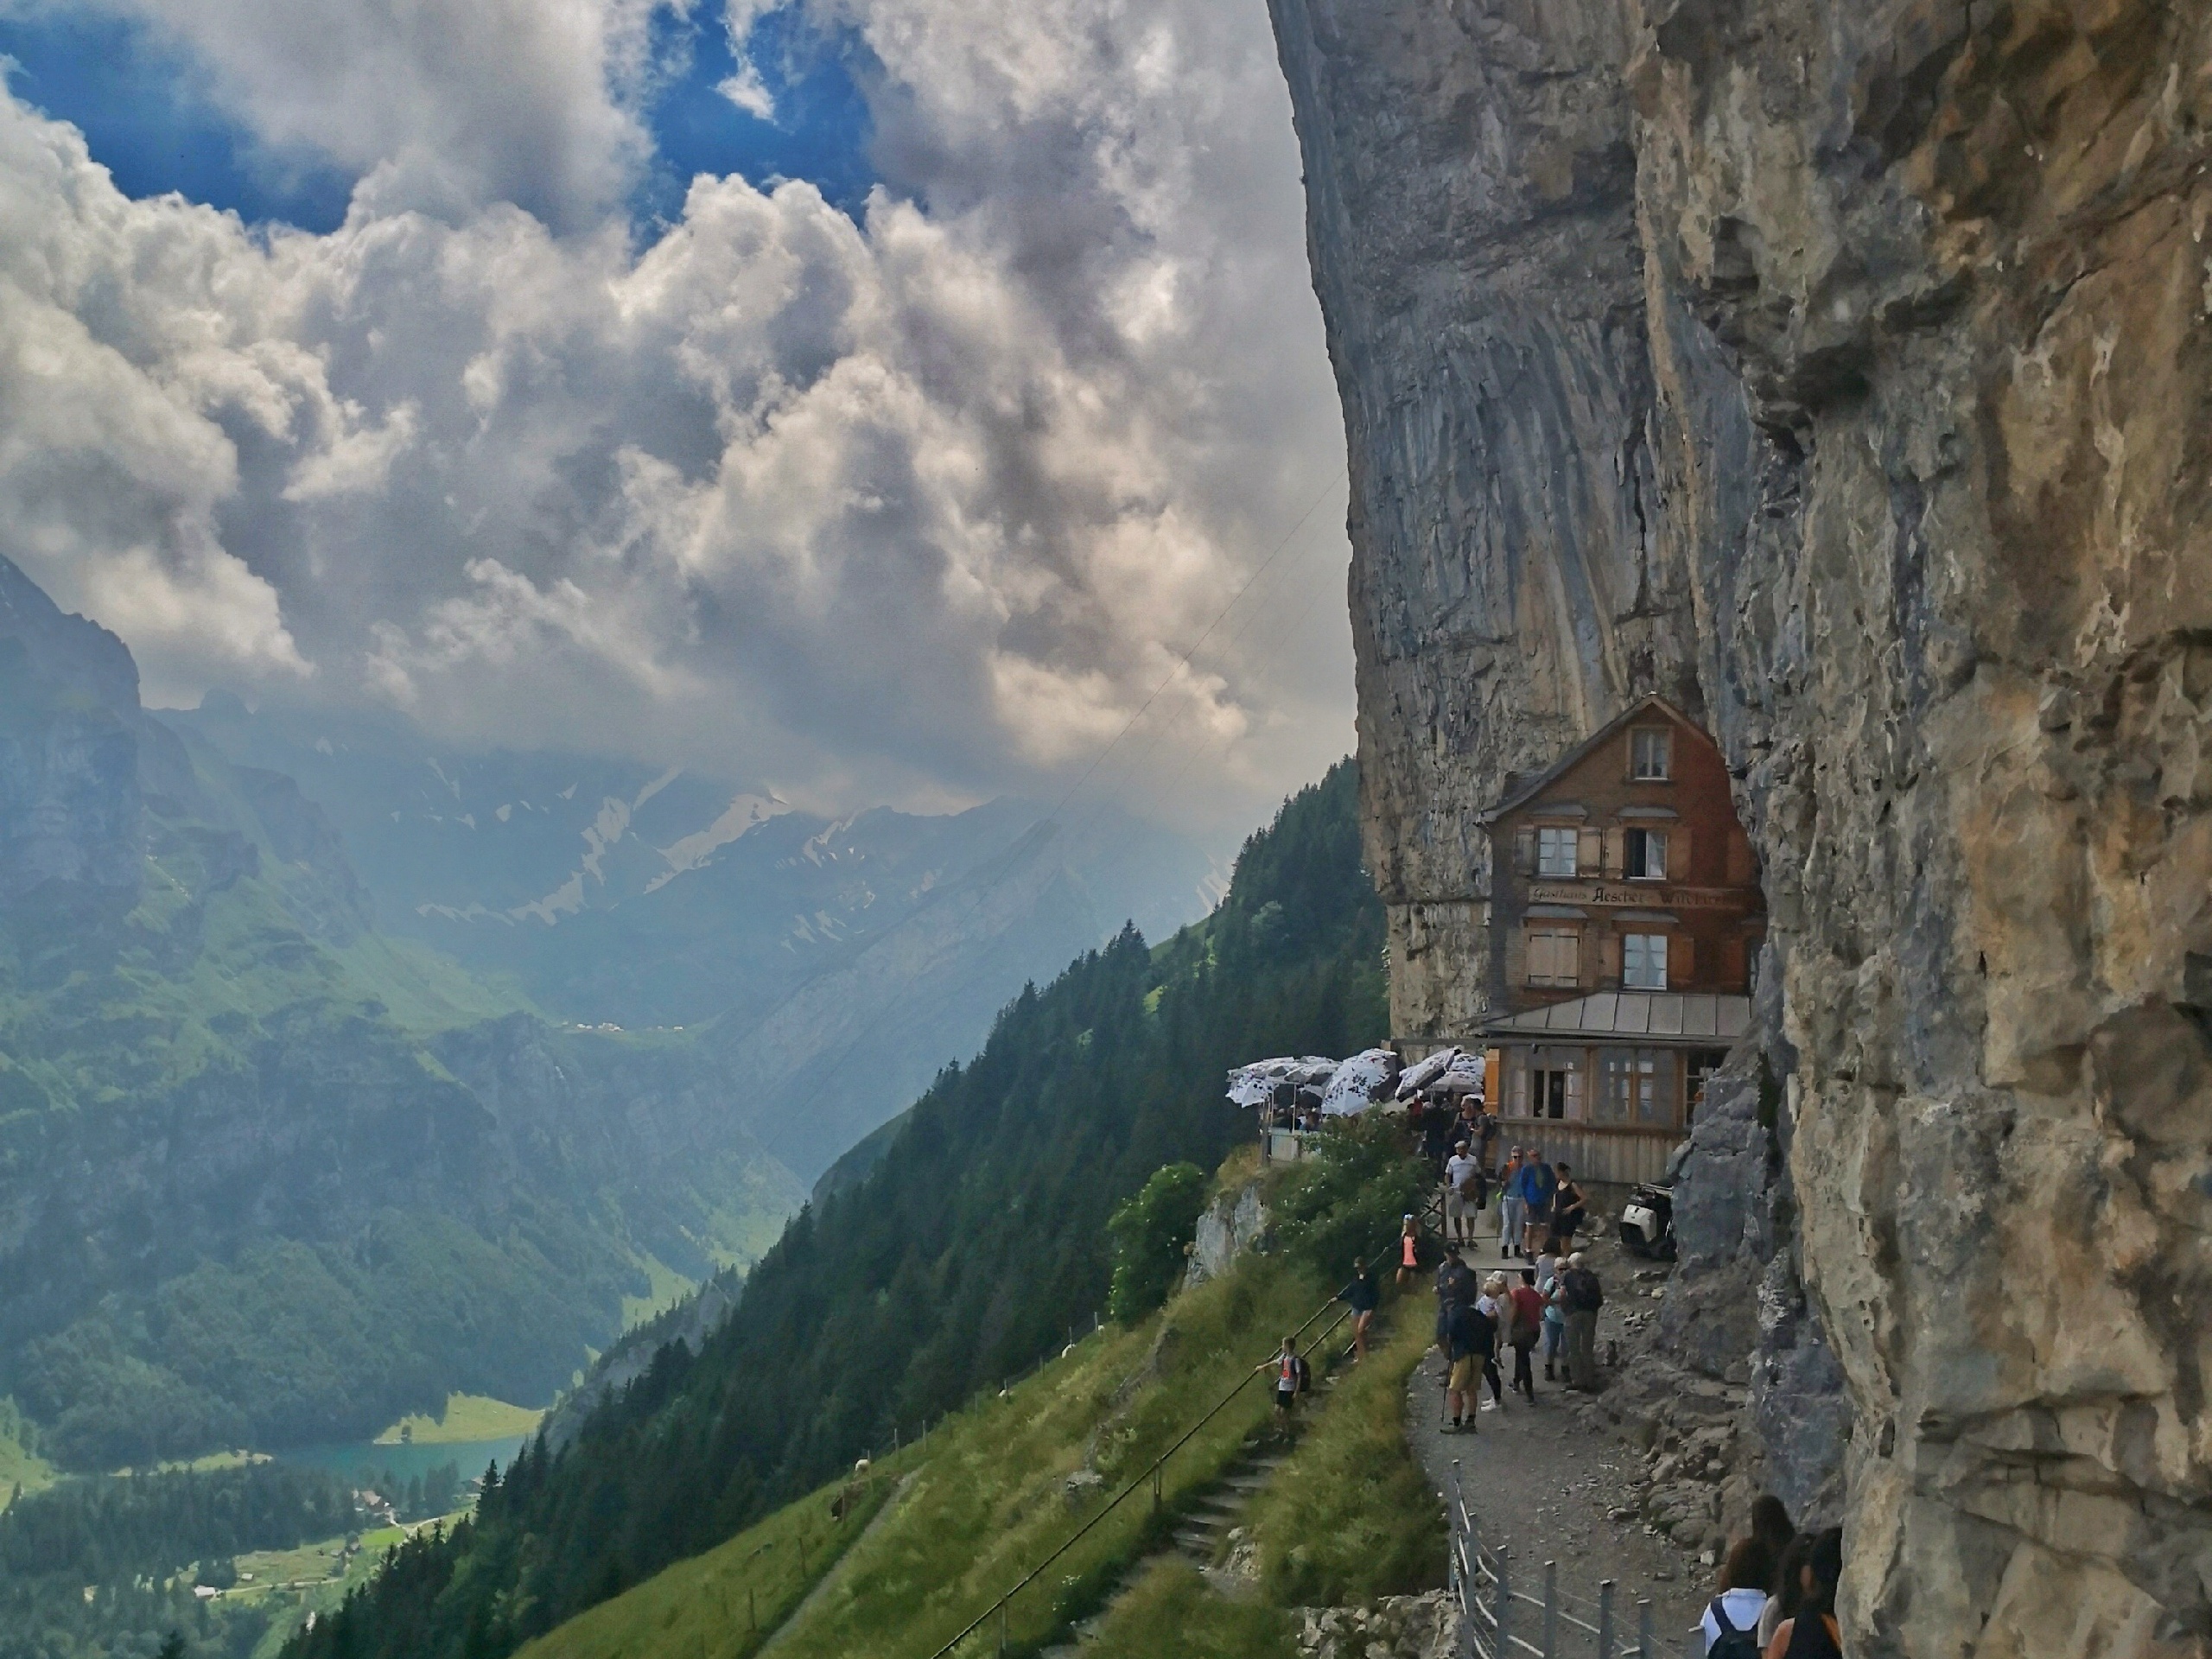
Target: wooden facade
[{"x": 1625, "y": 922}]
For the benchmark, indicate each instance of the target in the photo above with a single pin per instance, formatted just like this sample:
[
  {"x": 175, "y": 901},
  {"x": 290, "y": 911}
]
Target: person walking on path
[
  {"x": 1492, "y": 1305},
  {"x": 1554, "y": 1295},
  {"x": 1464, "y": 1337},
  {"x": 1731, "y": 1624},
  {"x": 1463, "y": 1177},
  {"x": 1359, "y": 1295},
  {"x": 1291, "y": 1376},
  {"x": 1536, "y": 1188},
  {"x": 1409, "y": 1253},
  {"x": 1584, "y": 1296},
  {"x": 1528, "y": 1326},
  {"x": 1770, "y": 1522},
  {"x": 1508, "y": 1204},
  {"x": 1810, "y": 1631},
  {"x": 1455, "y": 1280}
]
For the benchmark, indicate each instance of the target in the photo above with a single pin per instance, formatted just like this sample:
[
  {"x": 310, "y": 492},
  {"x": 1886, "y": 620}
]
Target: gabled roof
[
  {"x": 1660, "y": 1018},
  {"x": 1528, "y": 789}
]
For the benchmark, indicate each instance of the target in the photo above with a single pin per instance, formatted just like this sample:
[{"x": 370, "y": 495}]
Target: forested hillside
[
  {"x": 962, "y": 1256},
  {"x": 266, "y": 1176}
]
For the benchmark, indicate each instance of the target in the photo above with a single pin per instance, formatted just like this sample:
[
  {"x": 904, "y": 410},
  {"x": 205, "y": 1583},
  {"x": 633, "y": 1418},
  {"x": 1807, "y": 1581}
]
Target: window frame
[
  {"x": 1639, "y": 946},
  {"x": 1554, "y": 834},
  {"x": 1663, "y": 738},
  {"x": 1638, "y": 839},
  {"x": 1634, "y": 1086}
]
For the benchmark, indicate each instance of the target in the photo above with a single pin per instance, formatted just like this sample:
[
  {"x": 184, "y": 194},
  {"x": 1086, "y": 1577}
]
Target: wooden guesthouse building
[{"x": 1626, "y": 919}]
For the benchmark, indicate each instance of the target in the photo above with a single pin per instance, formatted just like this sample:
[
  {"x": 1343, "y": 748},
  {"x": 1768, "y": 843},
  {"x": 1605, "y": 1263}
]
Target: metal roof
[{"x": 1668, "y": 1017}]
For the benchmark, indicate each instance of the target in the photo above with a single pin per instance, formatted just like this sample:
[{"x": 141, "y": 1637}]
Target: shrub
[
  {"x": 1149, "y": 1230},
  {"x": 1347, "y": 1202}
]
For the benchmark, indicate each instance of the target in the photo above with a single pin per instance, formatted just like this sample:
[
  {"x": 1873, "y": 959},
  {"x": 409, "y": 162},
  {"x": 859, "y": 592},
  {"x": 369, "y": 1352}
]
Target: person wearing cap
[{"x": 1462, "y": 1172}]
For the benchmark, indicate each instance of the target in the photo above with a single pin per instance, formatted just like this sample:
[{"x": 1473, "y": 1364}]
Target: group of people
[
  {"x": 1554, "y": 1304},
  {"x": 1540, "y": 1207},
  {"x": 1777, "y": 1589}
]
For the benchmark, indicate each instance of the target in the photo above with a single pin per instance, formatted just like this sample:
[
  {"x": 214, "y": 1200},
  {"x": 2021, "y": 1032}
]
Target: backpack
[
  {"x": 1583, "y": 1294},
  {"x": 1732, "y": 1644},
  {"x": 1474, "y": 1187}
]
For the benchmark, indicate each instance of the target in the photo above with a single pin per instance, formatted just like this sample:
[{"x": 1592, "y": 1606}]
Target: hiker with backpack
[
  {"x": 1495, "y": 1305},
  {"x": 1582, "y": 1296},
  {"x": 1290, "y": 1379},
  {"x": 1465, "y": 1338},
  {"x": 1731, "y": 1624}
]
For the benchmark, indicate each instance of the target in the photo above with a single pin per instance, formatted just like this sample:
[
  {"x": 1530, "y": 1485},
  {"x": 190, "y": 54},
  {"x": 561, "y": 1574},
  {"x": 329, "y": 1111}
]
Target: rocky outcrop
[
  {"x": 1842, "y": 372},
  {"x": 70, "y": 833},
  {"x": 1235, "y": 1222}
]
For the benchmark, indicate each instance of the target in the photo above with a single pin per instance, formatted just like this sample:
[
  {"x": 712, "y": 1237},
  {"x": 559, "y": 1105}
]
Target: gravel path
[{"x": 1547, "y": 1481}]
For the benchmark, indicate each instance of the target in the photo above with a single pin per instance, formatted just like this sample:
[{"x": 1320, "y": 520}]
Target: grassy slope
[
  {"x": 988, "y": 1499},
  {"x": 467, "y": 1417},
  {"x": 723, "y": 1604},
  {"x": 1348, "y": 1518}
]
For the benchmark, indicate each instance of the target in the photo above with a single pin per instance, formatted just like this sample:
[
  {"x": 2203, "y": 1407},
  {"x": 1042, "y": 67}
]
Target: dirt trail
[
  {"x": 1554, "y": 1482},
  {"x": 821, "y": 1586}
]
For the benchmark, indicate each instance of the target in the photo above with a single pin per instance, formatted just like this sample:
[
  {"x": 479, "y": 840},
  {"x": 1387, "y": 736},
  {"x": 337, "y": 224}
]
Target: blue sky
[{"x": 144, "y": 109}]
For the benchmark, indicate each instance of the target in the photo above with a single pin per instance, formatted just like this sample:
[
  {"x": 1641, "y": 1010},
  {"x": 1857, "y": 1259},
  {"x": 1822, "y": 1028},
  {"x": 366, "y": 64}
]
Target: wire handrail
[
  {"x": 1478, "y": 1584},
  {"x": 1152, "y": 1470}
]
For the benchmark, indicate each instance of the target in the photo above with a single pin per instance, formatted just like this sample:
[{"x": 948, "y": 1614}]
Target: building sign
[{"x": 1635, "y": 896}]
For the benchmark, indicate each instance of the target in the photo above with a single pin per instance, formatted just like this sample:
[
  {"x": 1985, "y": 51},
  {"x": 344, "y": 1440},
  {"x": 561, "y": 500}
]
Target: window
[
  {"x": 1551, "y": 1086},
  {"x": 1647, "y": 855},
  {"x": 1636, "y": 1087},
  {"x": 1555, "y": 852},
  {"x": 1555, "y": 956},
  {"x": 1650, "y": 752},
  {"x": 1643, "y": 961}
]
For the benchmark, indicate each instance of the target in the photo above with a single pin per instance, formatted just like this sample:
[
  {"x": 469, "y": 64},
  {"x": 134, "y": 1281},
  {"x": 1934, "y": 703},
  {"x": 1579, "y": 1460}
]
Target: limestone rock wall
[{"x": 1843, "y": 370}]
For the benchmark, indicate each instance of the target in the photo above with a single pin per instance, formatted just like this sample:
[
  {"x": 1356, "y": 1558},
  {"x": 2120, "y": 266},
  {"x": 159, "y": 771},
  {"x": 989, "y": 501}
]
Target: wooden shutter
[
  {"x": 1682, "y": 962},
  {"x": 1570, "y": 953},
  {"x": 1609, "y": 958},
  {"x": 1589, "y": 852},
  {"x": 1678, "y": 853},
  {"x": 1741, "y": 870},
  {"x": 1524, "y": 850},
  {"x": 1616, "y": 851}
]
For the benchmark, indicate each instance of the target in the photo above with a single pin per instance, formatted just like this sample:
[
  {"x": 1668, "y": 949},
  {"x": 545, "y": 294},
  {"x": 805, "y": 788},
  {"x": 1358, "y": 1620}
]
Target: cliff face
[{"x": 1843, "y": 372}]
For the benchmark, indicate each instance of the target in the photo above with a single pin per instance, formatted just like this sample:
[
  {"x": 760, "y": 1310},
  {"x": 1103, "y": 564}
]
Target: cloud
[
  {"x": 451, "y": 103},
  {"x": 924, "y": 504}
]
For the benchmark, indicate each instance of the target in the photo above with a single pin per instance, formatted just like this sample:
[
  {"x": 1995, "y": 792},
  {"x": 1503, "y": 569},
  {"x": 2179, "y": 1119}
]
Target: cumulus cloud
[{"x": 925, "y": 504}]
